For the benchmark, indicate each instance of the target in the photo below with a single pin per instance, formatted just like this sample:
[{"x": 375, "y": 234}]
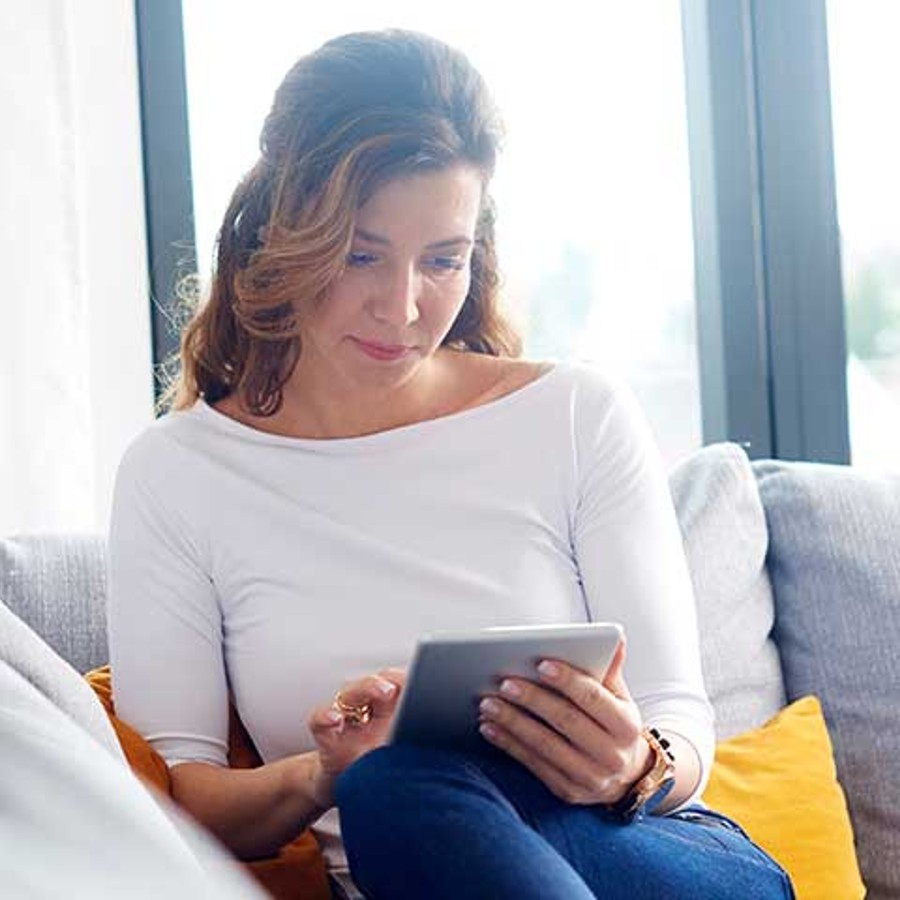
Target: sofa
[{"x": 796, "y": 570}]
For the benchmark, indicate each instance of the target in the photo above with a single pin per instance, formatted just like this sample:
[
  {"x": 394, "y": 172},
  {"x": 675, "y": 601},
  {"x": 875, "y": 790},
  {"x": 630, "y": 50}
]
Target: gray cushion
[
  {"x": 725, "y": 539},
  {"x": 834, "y": 559},
  {"x": 57, "y": 585}
]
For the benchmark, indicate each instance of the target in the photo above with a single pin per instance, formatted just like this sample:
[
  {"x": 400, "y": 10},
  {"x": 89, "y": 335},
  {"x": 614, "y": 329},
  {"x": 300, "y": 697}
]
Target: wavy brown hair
[{"x": 361, "y": 110}]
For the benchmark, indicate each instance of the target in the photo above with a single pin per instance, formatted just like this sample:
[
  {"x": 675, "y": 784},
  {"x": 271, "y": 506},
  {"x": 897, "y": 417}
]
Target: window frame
[{"x": 168, "y": 189}]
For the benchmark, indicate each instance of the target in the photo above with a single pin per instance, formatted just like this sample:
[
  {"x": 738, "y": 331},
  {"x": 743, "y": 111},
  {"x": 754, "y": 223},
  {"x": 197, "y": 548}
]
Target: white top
[{"x": 280, "y": 567}]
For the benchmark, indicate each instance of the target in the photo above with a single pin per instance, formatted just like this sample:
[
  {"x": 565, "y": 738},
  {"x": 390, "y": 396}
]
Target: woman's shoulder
[
  {"x": 504, "y": 375},
  {"x": 157, "y": 448},
  {"x": 589, "y": 384},
  {"x": 597, "y": 396},
  {"x": 481, "y": 379}
]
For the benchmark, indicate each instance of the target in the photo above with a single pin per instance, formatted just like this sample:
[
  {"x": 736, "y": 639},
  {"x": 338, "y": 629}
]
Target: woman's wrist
[
  {"x": 688, "y": 771},
  {"x": 644, "y": 761},
  {"x": 654, "y": 784},
  {"x": 311, "y": 781},
  {"x": 640, "y": 764}
]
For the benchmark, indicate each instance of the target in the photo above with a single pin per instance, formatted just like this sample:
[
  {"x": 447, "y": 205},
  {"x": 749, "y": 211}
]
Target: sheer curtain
[{"x": 75, "y": 365}]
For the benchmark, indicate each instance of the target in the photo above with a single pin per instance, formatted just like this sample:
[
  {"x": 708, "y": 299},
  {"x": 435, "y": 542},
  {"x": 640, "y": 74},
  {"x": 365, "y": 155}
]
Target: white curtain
[{"x": 75, "y": 366}]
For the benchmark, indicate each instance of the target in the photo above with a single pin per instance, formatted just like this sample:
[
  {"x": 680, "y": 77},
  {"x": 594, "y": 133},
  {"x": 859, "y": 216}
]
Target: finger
[
  {"x": 395, "y": 675},
  {"x": 555, "y": 780},
  {"x": 379, "y": 691},
  {"x": 614, "y": 679},
  {"x": 541, "y": 742},
  {"x": 615, "y": 714},
  {"x": 580, "y": 729},
  {"x": 325, "y": 723}
]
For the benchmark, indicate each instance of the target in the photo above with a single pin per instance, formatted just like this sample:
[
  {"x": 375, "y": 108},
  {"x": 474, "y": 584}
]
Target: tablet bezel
[{"x": 451, "y": 671}]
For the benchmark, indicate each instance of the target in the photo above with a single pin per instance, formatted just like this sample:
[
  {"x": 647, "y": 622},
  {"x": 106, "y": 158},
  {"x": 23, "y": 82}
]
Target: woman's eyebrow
[
  {"x": 383, "y": 241},
  {"x": 450, "y": 242}
]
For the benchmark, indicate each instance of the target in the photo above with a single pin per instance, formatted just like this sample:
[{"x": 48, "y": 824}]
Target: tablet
[{"x": 451, "y": 672}]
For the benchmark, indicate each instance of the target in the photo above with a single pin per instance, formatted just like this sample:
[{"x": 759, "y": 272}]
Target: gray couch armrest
[{"x": 56, "y": 584}]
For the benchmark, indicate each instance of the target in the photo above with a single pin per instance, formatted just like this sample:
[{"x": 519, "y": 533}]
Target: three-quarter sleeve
[
  {"x": 164, "y": 619},
  {"x": 632, "y": 564}
]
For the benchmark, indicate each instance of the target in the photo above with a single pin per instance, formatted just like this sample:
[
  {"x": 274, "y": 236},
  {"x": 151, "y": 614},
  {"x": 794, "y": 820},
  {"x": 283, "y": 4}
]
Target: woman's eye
[
  {"x": 360, "y": 259},
  {"x": 448, "y": 263}
]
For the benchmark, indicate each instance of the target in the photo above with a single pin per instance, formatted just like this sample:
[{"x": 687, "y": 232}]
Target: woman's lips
[{"x": 382, "y": 351}]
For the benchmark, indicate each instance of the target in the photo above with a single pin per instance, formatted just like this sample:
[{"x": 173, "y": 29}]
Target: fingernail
[
  {"x": 548, "y": 669},
  {"x": 334, "y": 716},
  {"x": 487, "y": 730},
  {"x": 510, "y": 688},
  {"x": 489, "y": 706},
  {"x": 387, "y": 687}
]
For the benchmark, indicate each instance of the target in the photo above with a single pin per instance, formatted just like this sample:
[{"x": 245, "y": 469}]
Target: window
[{"x": 865, "y": 70}]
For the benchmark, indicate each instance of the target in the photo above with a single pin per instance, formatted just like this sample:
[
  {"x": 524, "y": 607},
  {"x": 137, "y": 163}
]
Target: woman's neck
[
  {"x": 317, "y": 405},
  {"x": 457, "y": 381}
]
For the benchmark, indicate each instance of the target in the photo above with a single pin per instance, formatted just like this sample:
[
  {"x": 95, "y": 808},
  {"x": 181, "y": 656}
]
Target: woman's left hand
[{"x": 580, "y": 736}]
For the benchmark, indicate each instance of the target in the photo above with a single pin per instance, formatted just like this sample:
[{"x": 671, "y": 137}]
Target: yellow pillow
[{"x": 779, "y": 782}]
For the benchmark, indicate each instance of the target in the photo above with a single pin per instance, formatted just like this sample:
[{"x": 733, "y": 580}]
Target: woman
[{"x": 356, "y": 455}]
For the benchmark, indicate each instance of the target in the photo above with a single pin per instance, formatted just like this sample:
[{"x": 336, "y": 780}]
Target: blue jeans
[{"x": 434, "y": 824}]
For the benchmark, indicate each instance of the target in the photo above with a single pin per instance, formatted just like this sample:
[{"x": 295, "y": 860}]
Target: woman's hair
[{"x": 361, "y": 110}]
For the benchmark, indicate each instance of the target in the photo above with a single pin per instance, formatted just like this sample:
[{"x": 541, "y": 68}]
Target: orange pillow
[
  {"x": 297, "y": 873},
  {"x": 779, "y": 781}
]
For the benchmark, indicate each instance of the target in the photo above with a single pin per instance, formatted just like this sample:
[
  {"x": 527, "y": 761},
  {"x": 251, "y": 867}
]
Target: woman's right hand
[{"x": 342, "y": 741}]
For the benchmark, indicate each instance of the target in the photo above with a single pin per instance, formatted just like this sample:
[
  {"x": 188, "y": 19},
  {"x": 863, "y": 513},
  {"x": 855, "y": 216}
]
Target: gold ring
[{"x": 353, "y": 713}]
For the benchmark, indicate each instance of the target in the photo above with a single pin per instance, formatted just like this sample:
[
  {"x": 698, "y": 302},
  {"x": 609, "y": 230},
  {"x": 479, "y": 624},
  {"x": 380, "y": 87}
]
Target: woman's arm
[
  {"x": 583, "y": 737},
  {"x": 254, "y": 812},
  {"x": 166, "y": 628},
  {"x": 634, "y": 571}
]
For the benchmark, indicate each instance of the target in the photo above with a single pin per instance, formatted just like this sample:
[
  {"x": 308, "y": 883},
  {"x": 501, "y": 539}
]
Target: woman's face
[{"x": 405, "y": 279}]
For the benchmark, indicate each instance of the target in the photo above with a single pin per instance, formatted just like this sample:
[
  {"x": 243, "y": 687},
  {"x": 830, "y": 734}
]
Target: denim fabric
[
  {"x": 834, "y": 558},
  {"x": 428, "y": 823}
]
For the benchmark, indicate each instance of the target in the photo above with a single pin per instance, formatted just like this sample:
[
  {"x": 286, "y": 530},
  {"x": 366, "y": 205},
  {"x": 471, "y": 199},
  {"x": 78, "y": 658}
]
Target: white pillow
[{"x": 725, "y": 537}]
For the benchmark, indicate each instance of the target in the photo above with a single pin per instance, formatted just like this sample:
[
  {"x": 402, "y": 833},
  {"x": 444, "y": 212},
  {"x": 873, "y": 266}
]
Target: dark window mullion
[
  {"x": 804, "y": 292},
  {"x": 731, "y": 326},
  {"x": 167, "y": 165}
]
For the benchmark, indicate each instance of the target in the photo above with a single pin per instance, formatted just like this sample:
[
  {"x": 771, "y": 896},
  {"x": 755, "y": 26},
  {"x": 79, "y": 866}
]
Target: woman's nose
[{"x": 396, "y": 301}]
